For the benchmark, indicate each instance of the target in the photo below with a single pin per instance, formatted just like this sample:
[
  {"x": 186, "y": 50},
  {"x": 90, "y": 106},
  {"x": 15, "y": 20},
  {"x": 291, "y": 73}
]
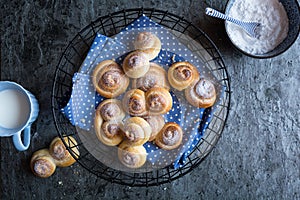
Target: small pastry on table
[
  {"x": 109, "y": 79},
  {"x": 182, "y": 74},
  {"x": 110, "y": 109},
  {"x": 170, "y": 136},
  {"x": 201, "y": 93},
  {"x": 109, "y": 132},
  {"x": 108, "y": 120},
  {"x": 59, "y": 152},
  {"x": 136, "y": 64},
  {"x": 137, "y": 131},
  {"x": 158, "y": 101},
  {"x": 42, "y": 164},
  {"x": 132, "y": 156},
  {"x": 149, "y": 43},
  {"x": 155, "y": 77},
  {"x": 134, "y": 102},
  {"x": 44, "y": 161},
  {"x": 156, "y": 122}
]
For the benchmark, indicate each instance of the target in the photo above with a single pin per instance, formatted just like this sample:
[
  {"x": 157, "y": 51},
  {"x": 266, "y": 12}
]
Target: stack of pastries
[{"x": 133, "y": 114}]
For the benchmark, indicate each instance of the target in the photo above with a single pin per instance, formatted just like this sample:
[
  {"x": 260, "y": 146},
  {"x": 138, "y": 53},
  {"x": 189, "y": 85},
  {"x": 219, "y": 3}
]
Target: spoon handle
[{"x": 214, "y": 13}]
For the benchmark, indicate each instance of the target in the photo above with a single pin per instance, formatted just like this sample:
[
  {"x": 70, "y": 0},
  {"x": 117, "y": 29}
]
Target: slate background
[{"x": 257, "y": 157}]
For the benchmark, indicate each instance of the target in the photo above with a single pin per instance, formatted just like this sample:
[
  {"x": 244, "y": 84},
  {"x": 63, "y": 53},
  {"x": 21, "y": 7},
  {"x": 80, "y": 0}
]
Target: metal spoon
[{"x": 252, "y": 28}]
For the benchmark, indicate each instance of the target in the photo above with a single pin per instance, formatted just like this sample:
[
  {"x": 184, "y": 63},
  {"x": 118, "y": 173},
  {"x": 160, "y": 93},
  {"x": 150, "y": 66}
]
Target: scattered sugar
[{"x": 272, "y": 17}]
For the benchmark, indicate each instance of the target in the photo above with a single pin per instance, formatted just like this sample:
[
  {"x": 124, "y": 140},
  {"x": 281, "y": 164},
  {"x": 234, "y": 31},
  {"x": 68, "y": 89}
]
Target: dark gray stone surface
[{"x": 257, "y": 157}]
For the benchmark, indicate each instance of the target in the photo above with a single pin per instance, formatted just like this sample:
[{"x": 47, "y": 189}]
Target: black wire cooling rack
[{"x": 110, "y": 25}]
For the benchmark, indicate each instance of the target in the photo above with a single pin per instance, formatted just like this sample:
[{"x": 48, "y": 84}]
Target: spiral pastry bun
[
  {"x": 59, "y": 152},
  {"x": 132, "y": 156},
  {"x": 156, "y": 122},
  {"x": 155, "y": 77},
  {"x": 134, "y": 102},
  {"x": 109, "y": 132},
  {"x": 110, "y": 109},
  {"x": 158, "y": 101},
  {"x": 170, "y": 136},
  {"x": 109, "y": 79},
  {"x": 149, "y": 43},
  {"x": 137, "y": 131},
  {"x": 42, "y": 164},
  {"x": 201, "y": 93},
  {"x": 136, "y": 64},
  {"x": 182, "y": 74}
]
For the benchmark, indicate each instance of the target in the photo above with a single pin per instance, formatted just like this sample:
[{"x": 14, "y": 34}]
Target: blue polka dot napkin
[{"x": 80, "y": 109}]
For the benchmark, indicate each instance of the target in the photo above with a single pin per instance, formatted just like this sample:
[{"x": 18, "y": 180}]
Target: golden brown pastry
[
  {"x": 137, "y": 130},
  {"x": 136, "y": 64},
  {"x": 156, "y": 122},
  {"x": 134, "y": 102},
  {"x": 59, "y": 152},
  {"x": 110, "y": 109},
  {"x": 182, "y": 74},
  {"x": 170, "y": 136},
  {"x": 201, "y": 93},
  {"x": 109, "y": 79},
  {"x": 42, "y": 164},
  {"x": 158, "y": 101},
  {"x": 132, "y": 156},
  {"x": 155, "y": 77},
  {"x": 109, "y": 132},
  {"x": 149, "y": 43}
]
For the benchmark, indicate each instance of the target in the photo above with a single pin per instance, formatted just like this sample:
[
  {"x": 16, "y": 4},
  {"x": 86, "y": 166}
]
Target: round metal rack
[{"x": 110, "y": 25}]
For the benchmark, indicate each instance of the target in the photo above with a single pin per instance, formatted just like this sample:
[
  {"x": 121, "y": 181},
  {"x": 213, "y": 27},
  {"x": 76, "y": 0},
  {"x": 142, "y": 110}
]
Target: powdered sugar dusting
[{"x": 272, "y": 17}]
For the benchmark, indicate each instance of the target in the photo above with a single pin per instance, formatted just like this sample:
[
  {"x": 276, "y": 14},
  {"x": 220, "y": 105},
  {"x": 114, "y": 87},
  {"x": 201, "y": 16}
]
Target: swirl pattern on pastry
[
  {"x": 136, "y": 64},
  {"x": 137, "y": 131},
  {"x": 156, "y": 122},
  {"x": 59, "y": 152},
  {"x": 134, "y": 102},
  {"x": 132, "y": 156},
  {"x": 170, "y": 136},
  {"x": 109, "y": 79},
  {"x": 182, "y": 74},
  {"x": 149, "y": 43},
  {"x": 158, "y": 101},
  {"x": 201, "y": 93},
  {"x": 155, "y": 77},
  {"x": 110, "y": 109},
  {"x": 109, "y": 133},
  {"x": 42, "y": 164}
]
